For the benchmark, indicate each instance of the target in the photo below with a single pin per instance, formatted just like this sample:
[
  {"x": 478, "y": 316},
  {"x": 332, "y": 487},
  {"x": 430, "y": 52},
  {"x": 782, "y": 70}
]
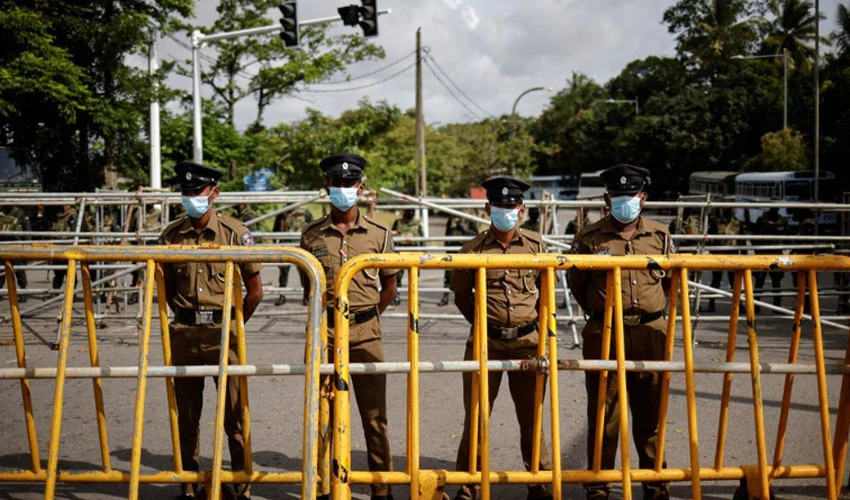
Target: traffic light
[
  {"x": 350, "y": 15},
  {"x": 289, "y": 22},
  {"x": 369, "y": 17}
]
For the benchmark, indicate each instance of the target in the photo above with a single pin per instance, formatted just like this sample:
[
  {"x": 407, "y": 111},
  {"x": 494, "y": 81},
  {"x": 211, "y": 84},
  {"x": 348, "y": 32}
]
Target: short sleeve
[{"x": 246, "y": 239}]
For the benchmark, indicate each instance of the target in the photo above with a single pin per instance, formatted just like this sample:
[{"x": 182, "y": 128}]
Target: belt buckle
[
  {"x": 204, "y": 317},
  {"x": 631, "y": 320},
  {"x": 509, "y": 333}
]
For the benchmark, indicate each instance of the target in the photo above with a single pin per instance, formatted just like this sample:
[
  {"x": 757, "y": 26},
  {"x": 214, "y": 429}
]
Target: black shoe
[
  {"x": 185, "y": 496},
  {"x": 710, "y": 308},
  {"x": 382, "y": 497},
  {"x": 655, "y": 491},
  {"x": 597, "y": 494},
  {"x": 547, "y": 497},
  {"x": 22, "y": 299},
  {"x": 133, "y": 299},
  {"x": 562, "y": 305},
  {"x": 304, "y": 301},
  {"x": 444, "y": 301},
  {"x": 323, "y": 497},
  {"x": 396, "y": 301},
  {"x": 281, "y": 300}
]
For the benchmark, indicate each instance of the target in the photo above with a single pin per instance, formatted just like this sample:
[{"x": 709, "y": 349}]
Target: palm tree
[
  {"x": 793, "y": 29},
  {"x": 841, "y": 36}
]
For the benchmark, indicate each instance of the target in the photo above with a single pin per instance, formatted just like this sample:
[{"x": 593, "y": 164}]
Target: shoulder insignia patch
[
  {"x": 604, "y": 251},
  {"x": 247, "y": 240},
  {"x": 319, "y": 251}
]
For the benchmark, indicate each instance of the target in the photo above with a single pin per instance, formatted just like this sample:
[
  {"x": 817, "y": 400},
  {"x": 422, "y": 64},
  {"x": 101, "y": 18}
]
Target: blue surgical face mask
[
  {"x": 504, "y": 219},
  {"x": 344, "y": 198},
  {"x": 196, "y": 206},
  {"x": 625, "y": 208}
]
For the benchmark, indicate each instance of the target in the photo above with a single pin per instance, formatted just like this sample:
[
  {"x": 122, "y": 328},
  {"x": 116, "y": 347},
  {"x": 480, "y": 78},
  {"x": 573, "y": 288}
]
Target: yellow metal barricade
[
  {"x": 428, "y": 484},
  {"x": 153, "y": 257}
]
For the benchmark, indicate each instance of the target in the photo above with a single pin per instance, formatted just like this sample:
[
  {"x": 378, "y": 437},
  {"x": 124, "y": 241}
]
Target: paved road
[{"x": 276, "y": 405}]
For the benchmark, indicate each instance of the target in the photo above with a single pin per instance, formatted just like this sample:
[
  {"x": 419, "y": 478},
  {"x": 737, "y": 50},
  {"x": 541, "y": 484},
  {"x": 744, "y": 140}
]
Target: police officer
[
  {"x": 333, "y": 239},
  {"x": 195, "y": 292},
  {"x": 625, "y": 232},
  {"x": 294, "y": 221},
  {"x": 406, "y": 225},
  {"x": 512, "y": 327},
  {"x": 455, "y": 226}
]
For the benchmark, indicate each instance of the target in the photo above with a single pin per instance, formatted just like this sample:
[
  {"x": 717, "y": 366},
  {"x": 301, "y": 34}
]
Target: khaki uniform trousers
[
  {"x": 642, "y": 342},
  {"x": 200, "y": 345},
  {"x": 370, "y": 392},
  {"x": 521, "y": 386}
]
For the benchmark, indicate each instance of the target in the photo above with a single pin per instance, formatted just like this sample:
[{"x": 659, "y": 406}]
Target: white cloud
[{"x": 492, "y": 49}]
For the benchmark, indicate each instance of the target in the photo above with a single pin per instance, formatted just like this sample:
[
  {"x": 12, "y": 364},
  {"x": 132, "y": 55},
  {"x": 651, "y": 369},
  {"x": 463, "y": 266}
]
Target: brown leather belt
[
  {"x": 631, "y": 319},
  {"x": 510, "y": 332},
  {"x": 355, "y": 318}
]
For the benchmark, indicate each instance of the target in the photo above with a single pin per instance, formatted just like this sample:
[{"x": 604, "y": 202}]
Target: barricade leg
[
  {"x": 214, "y": 492},
  {"x": 690, "y": 389},
  {"x": 622, "y": 395},
  {"x": 141, "y": 384},
  {"x": 817, "y": 333},
  {"x": 665, "y": 376},
  {"x": 413, "y": 383},
  {"x": 554, "y": 405},
  {"x": 21, "y": 357},
  {"x": 59, "y": 391},
  {"x": 731, "y": 341},
  {"x": 484, "y": 382},
  {"x": 97, "y": 385},
  {"x": 169, "y": 381}
]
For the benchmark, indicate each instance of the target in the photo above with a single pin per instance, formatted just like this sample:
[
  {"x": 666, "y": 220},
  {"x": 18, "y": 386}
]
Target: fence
[
  {"x": 430, "y": 483},
  {"x": 153, "y": 257}
]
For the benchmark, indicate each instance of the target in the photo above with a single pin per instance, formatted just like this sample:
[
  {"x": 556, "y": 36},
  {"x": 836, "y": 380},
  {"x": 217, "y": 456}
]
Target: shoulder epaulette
[
  {"x": 174, "y": 224},
  {"x": 375, "y": 223},
  {"x": 314, "y": 223}
]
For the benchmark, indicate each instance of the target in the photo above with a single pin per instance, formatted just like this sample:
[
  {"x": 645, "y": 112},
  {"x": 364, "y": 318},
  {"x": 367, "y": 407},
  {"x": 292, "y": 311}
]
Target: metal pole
[
  {"x": 153, "y": 66},
  {"x": 197, "y": 136},
  {"x": 421, "y": 166},
  {"x": 513, "y": 117},
  {"x": 637, "y": 106}
]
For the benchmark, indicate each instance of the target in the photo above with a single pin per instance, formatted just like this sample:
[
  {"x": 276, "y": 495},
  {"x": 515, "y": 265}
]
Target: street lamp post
[
  {"x": 784, "y": 57},
  {"x": 513, "y": 114}
]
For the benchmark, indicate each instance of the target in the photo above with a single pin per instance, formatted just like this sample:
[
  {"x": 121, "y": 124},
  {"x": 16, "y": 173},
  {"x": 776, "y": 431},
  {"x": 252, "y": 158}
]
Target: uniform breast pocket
[
  {"x": 495, "y": 277},
  {"x": 529, "y": 280},
  {"x": 325, "y": 261},
  {"x": 216, "y": 278}
]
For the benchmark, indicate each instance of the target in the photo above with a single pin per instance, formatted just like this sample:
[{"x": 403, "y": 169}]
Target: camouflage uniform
[
  {"x": 15, "y": 219},
  {"x": 770, "y": 223},
  {"x": 405, "y": 226},
  {"x": 294, "y": 221},
  {"x": 65, "y": 221},
  {"x": 455, "y": 226}
]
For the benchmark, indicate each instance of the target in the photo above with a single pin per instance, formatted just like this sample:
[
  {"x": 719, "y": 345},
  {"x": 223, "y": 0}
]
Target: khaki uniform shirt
[
  {"x": 511, "y": 293},
  {"x": 333, "y": 249},
  {"x": 199, "y": 286},
  {"x": 644, "y": 292}
]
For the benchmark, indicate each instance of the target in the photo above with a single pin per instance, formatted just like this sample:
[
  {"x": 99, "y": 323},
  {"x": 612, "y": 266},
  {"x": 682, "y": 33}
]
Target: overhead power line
[
  {"x": 366, "y": 75},
  {"x": 437, "y": 76},
  {"x": 366, "y": 86},
  {"x": 429, "y": 56}
]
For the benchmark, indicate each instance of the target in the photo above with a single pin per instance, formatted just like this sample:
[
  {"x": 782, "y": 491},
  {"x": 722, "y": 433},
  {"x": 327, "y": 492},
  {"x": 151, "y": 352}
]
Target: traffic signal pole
[{"x": 199, "y": 40}]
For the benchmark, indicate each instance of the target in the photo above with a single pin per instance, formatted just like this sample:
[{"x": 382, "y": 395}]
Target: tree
[
  {"x": 99, "y": 134},
  {"x": 793, "y": 29},
  {"x": 263, "y": 67},
  {"x": 841, "y": 36},
  {"x": 781, "y": 151},
  {"x": 709, "y": 32}
]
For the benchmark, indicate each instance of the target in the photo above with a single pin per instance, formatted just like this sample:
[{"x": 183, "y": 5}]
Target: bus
[
  {"x": 784, "y": 186},
  {"x": 591, "y": 185},
  {"x": 720, "y": 184}
]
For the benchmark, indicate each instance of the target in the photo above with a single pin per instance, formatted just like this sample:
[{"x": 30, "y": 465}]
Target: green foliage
[
  {"x": 780, "y": 152},
  {"x": 794, "y": 30}
]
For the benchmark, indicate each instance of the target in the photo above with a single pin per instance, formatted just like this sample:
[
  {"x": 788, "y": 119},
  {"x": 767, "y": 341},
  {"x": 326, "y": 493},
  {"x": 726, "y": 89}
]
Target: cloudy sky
[{"x": 492, "y": 50}]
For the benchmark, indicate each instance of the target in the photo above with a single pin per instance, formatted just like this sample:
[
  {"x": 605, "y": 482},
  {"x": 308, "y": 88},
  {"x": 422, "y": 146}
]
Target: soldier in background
[
  {"x": 292, "y": 222},
  {"x": 722, "y": 223},
  {"x": 152, "y": 223},
  {"x": 533, "y": 221},
  {"x": 770, "y": 223},
  {"x": 455, "y": 226},
  {"x": 406, "y": 225},
  {"x": 65, "y": 221},
  {"x": 244, "y": 213},
  {"x": 15, "y": 219}
]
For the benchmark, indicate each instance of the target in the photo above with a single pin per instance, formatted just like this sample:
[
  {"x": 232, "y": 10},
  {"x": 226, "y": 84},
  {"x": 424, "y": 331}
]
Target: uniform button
[
  {"x": 509, "y": 292},
  {"x": 512, "y": 308},
  {"x": 200, "y": 271},
  {"x": 200, "y": 289},
  {"x": 634, "y": 282}
]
